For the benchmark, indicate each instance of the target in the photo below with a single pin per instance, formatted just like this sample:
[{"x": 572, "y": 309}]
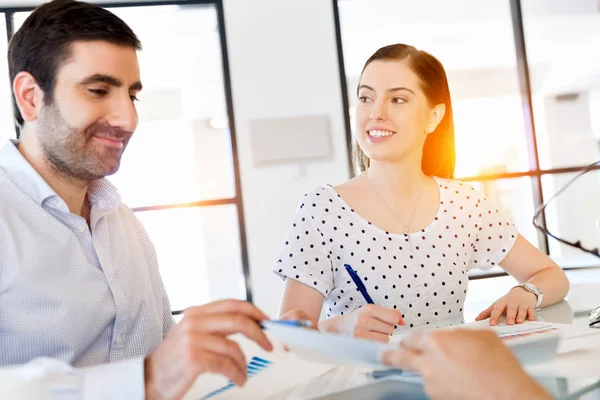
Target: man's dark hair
[{"x": 44, "y": 40}]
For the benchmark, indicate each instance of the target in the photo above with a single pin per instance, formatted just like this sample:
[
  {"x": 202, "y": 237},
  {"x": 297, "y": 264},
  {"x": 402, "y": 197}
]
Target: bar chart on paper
[
  {"x": 269, "y": 373},
  {"x": 255, "y": 367}
]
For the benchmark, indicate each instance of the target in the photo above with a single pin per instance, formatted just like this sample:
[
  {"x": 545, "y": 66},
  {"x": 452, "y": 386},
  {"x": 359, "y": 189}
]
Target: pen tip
[{"x": 306, "y": 323}]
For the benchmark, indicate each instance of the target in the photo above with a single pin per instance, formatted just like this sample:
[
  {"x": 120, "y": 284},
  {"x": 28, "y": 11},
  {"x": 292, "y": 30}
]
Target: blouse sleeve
[
  {"x": 305, "y": 254},
  {"x": 496, "y": 235}
]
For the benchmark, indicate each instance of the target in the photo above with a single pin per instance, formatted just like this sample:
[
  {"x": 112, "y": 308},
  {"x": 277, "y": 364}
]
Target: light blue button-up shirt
[{"x": 82, "y": 295}]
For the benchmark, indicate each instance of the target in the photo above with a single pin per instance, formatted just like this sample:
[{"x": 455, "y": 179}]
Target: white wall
[{"x": 283, "y": 61}]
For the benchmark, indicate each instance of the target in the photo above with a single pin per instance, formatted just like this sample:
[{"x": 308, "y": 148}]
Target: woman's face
[{"x": 393, "y": 116}]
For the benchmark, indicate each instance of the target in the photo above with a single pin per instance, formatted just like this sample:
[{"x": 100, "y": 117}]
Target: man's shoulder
[
  {"x": 5, "y": 208},
  {"x": 7, "y": 193},
  {"x": 4, "y": 181},
  {"x": 125, "y": 214}
]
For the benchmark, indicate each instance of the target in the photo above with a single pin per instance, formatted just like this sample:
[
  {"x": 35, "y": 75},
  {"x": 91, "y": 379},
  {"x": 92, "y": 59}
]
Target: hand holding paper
[
  {"x": 199, "y": 344},
  {"x": 451, "y": 360}
]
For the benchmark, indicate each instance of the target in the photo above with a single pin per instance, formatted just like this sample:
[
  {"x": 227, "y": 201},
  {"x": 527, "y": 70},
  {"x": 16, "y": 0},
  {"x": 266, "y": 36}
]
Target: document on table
[
  {"x": 268, "y": 374},
  {"x": 532, "y": 342}
]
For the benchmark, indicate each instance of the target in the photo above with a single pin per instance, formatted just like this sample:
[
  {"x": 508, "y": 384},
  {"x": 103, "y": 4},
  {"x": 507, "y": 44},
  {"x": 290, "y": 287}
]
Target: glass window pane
[
  {"x": 481, "y": 69},
  {"x": 562, "y": 39},
  {"x": 19, "y": 18},
  {"x": 515, "y": 199},
  {"x": 181, "y": 151},
  {"x": 7, "y": 126},
  {"x": 573, "y": 215},
  {"x": 198, "y": 252}
]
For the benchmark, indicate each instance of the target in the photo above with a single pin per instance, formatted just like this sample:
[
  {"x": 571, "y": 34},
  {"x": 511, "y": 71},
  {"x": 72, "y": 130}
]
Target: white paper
[
  {"x": 532, "y": 342},
  {"x": 41, "y": 379},
  {"x": 502, "y": 330},
  {"x": 330, "y": 348},
  {"x": 285, "y": 371}
]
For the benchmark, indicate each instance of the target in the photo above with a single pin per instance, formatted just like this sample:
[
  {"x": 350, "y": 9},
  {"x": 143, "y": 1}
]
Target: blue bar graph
[{"x": 255, "y": 366}]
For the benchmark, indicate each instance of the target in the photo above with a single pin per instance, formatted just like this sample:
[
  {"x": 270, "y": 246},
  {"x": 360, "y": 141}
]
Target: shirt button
[
  {"x": 118, "y": 339},
  {"x": 82, "y": 228}
]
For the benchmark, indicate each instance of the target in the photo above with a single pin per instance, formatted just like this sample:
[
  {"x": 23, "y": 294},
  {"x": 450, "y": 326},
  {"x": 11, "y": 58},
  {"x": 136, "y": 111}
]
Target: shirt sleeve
[
  {"x": 47, "y": 378},
  {"x": 168, "y": 321},
  {"x": 305, "y": 255},
  {"x": 496, "y": 235},
  {"x": 158, "y": 287}
]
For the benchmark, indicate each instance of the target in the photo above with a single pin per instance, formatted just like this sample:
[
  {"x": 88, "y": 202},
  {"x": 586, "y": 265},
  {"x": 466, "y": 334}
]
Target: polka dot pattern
[{"x": 427, "y": 284}]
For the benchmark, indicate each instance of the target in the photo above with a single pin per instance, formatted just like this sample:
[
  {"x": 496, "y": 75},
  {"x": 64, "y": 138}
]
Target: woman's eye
[
  {"x": 398, "y": 100},
  {"x": 364, "y": 99}
]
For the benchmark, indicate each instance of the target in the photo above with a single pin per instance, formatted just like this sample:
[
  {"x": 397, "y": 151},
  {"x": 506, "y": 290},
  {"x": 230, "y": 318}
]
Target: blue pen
[
  {"x": 361, "y": 287},
  {"x": 302, "y": 323}
]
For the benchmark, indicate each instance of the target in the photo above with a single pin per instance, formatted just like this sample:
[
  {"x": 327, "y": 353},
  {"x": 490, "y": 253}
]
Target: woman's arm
[
  {"x": 300, "y": 301},
  {"x": 528, "y": 264}
]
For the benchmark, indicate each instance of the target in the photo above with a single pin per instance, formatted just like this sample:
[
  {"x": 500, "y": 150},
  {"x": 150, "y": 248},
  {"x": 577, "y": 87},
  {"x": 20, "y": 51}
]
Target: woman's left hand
[{"x": 518, "y": 305}]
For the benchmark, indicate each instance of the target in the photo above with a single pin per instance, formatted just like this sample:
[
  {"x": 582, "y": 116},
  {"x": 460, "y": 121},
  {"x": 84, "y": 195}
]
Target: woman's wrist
[{"x": 523, "y": 290}]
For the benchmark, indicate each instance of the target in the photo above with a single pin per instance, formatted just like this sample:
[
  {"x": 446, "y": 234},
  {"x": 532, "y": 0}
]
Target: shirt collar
[
  {"x": 22, "y": 174},
  {"x": 101, "y": 192},
  {"x": 104, "y": 195}
]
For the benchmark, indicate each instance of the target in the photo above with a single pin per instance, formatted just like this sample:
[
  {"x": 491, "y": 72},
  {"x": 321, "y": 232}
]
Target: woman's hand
[
  {"x": 369, "y": 322},
  {"x": 518, "y": 305}
]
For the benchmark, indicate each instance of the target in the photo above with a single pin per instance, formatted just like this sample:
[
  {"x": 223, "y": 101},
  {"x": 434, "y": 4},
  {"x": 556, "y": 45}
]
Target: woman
[{"x": 409, "y": 231}]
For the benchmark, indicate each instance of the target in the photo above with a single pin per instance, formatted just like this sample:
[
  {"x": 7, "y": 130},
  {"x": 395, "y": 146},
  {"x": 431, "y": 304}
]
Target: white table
[{"x": 581, "y": 299}]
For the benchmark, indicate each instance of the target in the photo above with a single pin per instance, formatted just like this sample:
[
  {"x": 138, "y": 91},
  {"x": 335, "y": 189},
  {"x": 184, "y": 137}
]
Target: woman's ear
[
  {"x": 28, "y": 95},
  {"x": 436, "y": 114}
]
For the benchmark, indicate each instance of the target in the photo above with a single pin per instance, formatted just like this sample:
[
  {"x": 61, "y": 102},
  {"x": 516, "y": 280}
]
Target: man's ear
[
  {"x": 28, "y": 95},
  {"x": 436, "y": 114}
]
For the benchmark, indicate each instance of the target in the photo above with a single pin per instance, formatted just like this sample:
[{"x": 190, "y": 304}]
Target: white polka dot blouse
[{"x": 422, "y": 274}]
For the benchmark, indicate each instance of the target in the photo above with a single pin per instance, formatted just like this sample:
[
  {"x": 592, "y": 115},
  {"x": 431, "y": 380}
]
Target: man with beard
[{"x": 79, "y": 280}]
